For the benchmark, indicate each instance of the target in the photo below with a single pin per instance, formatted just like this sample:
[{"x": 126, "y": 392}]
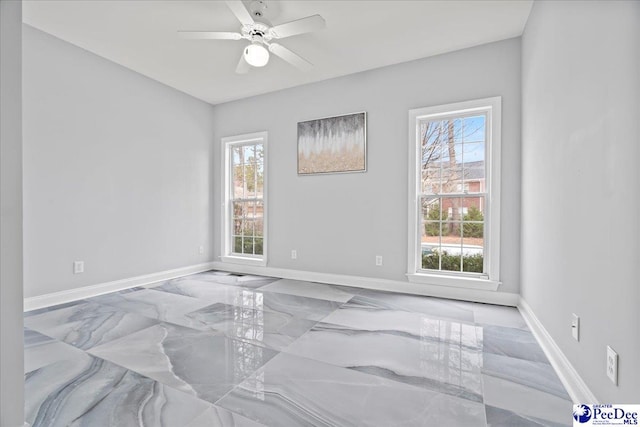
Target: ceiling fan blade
[
  {"x": 292, "y": 58},
  {"x": 209, "y": 35},
  {"x": 243, "y": 66},
  {"x": 299, "y": 26},
  {"x": 241, "y": 12}
]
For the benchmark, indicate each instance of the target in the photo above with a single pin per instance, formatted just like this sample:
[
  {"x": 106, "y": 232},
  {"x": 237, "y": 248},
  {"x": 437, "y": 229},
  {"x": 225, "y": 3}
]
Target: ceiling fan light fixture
[{"x": 256, "y": 55}]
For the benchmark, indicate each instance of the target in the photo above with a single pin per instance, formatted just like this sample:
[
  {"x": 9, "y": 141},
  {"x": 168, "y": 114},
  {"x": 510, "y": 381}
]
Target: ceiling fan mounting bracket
[{"x": 258, "y": 8}]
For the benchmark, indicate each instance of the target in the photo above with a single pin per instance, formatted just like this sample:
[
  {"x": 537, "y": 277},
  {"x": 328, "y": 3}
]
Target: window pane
[
  {"x": 430, "y": 257},
  {"x": 456, "y": 130},
  {"x": 259, "y": 153},
  {"x": 258, "y": 246},
  {"x": 237, "y": 244},
  {"x": 431, "y": 180},
  {"x": 475, "y": 129},
  {"x": 474, "y": 176},
  {"x": 430, "y": 134},
  {"x": 247, "y": 228},
  {"x": 236, "y": 156},
  {"x": 473, "y": 235},
  {"x": 248, "y": 154},
  {"x": 237, "y": 227},
  {"x": 431, "y": 219},
  {"x": 258, "y": 227},
  {"x": 450, "y": 175},
  {"x": 472, "y": 261},
  {"x": 452, "y": 208},
  {"x": 238, "y": 182},
  {"x": 259, "y": 180},
  {"x": 451, "y": 248},
  {"x": 471, "y": 152},
  {"x": 238, "y": 210}
]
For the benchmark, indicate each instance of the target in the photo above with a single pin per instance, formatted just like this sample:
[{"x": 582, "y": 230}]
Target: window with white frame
[
  {"x": 454, "y": 190},
  {"x": 245, "y": 201}
]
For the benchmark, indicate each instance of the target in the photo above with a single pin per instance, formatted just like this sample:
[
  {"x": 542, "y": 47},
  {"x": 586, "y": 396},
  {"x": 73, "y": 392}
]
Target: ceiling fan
[{"x": 261, "y": 34}]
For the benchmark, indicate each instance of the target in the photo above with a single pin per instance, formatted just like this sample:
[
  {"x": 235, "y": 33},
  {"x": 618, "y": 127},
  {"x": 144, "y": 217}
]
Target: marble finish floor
[{"x": 219, "y": 349}]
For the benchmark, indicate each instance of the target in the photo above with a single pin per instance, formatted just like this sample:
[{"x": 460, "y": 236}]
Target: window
[
  {"x": 454, "y": 189},
  {"x": 245, "y": 201}
]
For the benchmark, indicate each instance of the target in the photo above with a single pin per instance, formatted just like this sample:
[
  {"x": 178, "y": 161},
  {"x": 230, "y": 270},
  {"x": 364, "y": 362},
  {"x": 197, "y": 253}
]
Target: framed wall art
[{"x": 333, "y": 145}]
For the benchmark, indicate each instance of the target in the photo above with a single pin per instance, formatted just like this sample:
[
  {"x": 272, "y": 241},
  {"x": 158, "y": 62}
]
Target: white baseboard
[
  {"x": 55, "y": 298},
  {"x": 576, "y": 387},
  {"x": 490, "y": 297}
]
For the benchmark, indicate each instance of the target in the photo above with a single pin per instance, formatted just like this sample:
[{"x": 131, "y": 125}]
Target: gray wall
[
  {"x": 339, "y": 223},
  {"x": 11, "y": 360},
  {"x": 581, "y": 186},
  {"x": 116, "y": 170}
]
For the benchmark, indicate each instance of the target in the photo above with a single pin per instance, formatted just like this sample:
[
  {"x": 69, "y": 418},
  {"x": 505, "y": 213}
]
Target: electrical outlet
[
  {"x": 294, "y": 254},
  {"x": 378, "y": 260},
  {"x": 612, "y": 365},
  {"x": 78, "y": 267},
  {"x": 575, "y": 326},
  {"x": 201, "y": 249}
]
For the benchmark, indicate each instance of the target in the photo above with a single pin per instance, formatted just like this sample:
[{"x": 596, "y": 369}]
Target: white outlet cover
[
  {"x": 612, "y": 365},
  {"x": 378, "y": 260},
  {"x": 294, "y": 254},
  {"x": 78, "y": 267}
]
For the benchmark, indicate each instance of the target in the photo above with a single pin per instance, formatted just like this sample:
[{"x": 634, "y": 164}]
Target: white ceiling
[{"x": 360, "y": 35}]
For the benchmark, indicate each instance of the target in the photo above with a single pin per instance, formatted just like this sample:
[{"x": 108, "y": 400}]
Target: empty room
[{"x": 319, "y": 213}]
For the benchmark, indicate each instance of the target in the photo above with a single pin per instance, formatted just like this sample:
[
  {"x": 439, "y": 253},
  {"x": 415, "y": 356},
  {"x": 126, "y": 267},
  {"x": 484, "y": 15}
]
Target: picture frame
[{"x": 330, "y": 145}]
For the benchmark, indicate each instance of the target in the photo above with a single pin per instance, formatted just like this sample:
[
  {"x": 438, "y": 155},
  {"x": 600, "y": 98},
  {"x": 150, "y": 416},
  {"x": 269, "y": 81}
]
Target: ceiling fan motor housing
[{"x": 257, "y": 32}]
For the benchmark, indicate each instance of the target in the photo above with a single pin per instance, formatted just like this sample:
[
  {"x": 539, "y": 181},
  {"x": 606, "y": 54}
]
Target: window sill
[
  {"x": 260, "y": 262},
  {"x": 454, "y": 282}
]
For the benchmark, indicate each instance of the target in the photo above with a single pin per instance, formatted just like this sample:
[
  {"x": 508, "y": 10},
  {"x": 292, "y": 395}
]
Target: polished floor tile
[
  {"x": 425, "y": 362},
  {"x": 41, "y": 350},
  {"x": 87, "y": 324},
  {"x": 497, "y": 417},
  {"x": 291, "y": 305},
  {"x": 487, "y": 314},
  {"x": 212, "y": 292},
  {"x": 536, "y": 375},
  {"x": 260, "y": 327},
  {"x": 297, "y": 306},
  {"x": 223, "y": 278},
  {"x": 435, "y": 307},
  {"x": 88, "y": 391},
  {"x": 355, "y": 315},
  {"x": 221, "y": 349},
  {"x": 199, "y": 363},
  {"x": 52, "y": 308},
  {"x": 512, "y": 342},
  {"x": 312, "y": 290},
  {"x": 526, "y": 401},
  {"x": 294, "y": 391},
  {"x": 164, "y": 306}
]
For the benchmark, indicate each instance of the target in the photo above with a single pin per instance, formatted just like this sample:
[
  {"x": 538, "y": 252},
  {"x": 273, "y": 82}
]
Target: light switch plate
[{"x": 575, "y": 326}]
